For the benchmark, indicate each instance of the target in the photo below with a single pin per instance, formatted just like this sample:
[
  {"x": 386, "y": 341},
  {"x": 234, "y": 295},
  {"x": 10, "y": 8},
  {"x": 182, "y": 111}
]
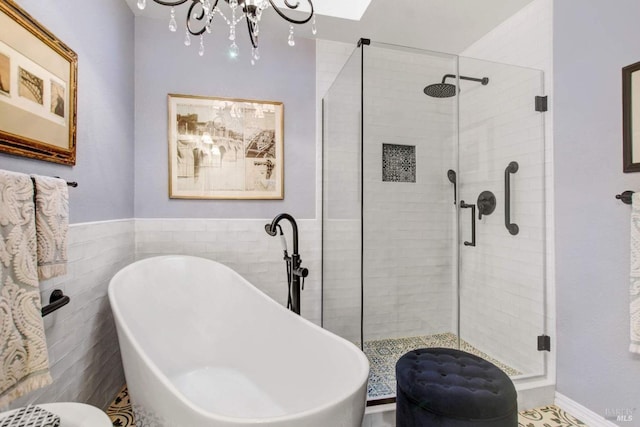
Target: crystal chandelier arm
[
  {"x": 292, "y": 7},
  {"x": 251, "y": 26},
  {"x": 171, "y": 3},
  {"x": 203, "y": 15}
]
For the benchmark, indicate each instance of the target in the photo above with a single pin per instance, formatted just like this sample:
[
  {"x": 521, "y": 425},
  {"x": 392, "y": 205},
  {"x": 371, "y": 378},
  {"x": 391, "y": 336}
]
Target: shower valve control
[
  {"x": 301, "y": 271},
  {"x": 486, "y": 203}
]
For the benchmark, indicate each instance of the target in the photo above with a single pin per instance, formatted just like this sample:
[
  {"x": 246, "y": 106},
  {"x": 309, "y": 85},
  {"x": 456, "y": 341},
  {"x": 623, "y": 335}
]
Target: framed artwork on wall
[
  {"x": 631, "y": 118},
  {"x": 38, "y": 89},
  {"x": 224, "y": 148}
]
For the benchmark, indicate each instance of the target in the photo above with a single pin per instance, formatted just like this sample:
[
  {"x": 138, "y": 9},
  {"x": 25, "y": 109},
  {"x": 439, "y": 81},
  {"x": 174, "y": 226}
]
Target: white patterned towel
[
  {"x": 24, "y": 361},
  {"x": 635, "y": 274},
  {"x": 52, "y": 225}
]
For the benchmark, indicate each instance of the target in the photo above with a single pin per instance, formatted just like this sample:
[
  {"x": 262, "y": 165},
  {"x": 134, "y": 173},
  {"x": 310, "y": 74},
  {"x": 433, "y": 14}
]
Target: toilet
[{"x": 73, "y": 414}]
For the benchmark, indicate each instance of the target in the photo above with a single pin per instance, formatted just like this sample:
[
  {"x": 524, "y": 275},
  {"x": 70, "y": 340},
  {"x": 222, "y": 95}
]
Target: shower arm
[{"x": 484, "y": 80}]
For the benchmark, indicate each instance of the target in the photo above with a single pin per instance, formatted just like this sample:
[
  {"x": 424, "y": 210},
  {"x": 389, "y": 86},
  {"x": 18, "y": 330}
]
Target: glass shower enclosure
[{"x": 434, "y": 209}]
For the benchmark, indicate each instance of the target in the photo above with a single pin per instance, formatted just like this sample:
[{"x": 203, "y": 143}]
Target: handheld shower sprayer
[
  {"x": 283, "y": 241},
  {"x": 451, "y": 174},
  {"x": 267, "y": 228},
  {"x": 273, "y": 232}
]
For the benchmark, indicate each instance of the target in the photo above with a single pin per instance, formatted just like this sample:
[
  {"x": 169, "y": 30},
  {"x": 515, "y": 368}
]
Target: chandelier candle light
[{"x": 201, "y": 12}]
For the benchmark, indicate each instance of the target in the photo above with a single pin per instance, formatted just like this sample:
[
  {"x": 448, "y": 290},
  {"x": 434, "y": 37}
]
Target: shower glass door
[{"x": 502, "y": 277}]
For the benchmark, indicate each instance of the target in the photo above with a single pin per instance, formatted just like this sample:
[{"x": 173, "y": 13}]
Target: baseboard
[
  {"x": 582, "y": 413},
  {"x": 535, "y": 397},
  {"x": 380, "y": 416}
]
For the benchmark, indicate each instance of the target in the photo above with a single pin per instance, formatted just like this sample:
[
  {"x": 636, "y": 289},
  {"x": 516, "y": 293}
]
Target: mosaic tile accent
[
  {"x": 398, "y": 163},
  {"x": 383, "y": 355},
  {"x": 121, "y": 414},
  {"x": 120, "y": 410},
  {"x": 548, "y": 416}
]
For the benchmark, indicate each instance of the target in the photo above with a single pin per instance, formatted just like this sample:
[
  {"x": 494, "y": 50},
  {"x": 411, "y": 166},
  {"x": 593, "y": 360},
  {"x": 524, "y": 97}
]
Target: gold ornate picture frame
[
  {"x": 224, "y": 148},
  {"x": 38, "y": 89}
]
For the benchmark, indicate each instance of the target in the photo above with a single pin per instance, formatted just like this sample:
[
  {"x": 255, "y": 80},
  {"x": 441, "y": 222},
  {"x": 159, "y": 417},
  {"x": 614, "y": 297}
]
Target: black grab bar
[
  {"x": 473, "y": 222},
  {"x": 56, "y": 301},
  {"x": 513, "y": 228}
]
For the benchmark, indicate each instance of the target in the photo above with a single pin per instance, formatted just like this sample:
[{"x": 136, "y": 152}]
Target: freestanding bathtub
[{"x": 202, "y": 347}]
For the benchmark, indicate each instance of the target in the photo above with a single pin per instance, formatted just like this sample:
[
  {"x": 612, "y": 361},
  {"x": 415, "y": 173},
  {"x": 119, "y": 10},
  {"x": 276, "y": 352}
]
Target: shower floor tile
[
  {"x": 383, "y": 355},
  {"x": 121, "y": 415}
]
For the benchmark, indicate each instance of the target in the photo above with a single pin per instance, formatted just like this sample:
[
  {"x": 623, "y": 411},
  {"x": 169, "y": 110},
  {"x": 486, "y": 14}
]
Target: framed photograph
[
  {"x": 38, "y": 89},
  {"x": 222, "y": 148},
  {"x": 631, "y": 118}
]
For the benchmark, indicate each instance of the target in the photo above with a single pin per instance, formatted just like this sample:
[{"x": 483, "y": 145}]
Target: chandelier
[{"x": 201, "y": 13}]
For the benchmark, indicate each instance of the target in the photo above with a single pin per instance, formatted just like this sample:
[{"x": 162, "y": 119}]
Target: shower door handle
[
  {"x": 464, "y": 205},
  {"x": 513, "y": 228}
]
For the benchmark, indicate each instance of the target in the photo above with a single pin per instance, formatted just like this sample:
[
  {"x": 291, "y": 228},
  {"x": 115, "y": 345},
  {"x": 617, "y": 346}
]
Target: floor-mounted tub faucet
[{"x": 295, "y": 273}]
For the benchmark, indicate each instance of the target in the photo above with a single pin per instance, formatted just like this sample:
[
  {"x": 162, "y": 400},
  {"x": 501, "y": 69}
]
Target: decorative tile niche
[{"x": 398, "y": 163}]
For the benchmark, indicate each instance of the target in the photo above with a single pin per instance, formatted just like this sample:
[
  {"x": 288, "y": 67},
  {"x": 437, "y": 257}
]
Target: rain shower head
[
  {"x": 447, "y": 90},
  {"x": 440, "y": 90}
]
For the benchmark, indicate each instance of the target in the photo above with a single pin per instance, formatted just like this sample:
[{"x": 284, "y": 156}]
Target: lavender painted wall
[
  {"x": 164, "y": 65},
  {"x": 593, "y": 40},
  {"x": 104, "y": 167},
  {"x": 83, "y": 351}
]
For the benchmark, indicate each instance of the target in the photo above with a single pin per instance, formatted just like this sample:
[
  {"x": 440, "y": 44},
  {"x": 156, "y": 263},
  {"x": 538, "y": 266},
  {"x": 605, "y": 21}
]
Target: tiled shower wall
[
  {"x": 408, "y": 228},
  {"x": 84, "y": 356}
]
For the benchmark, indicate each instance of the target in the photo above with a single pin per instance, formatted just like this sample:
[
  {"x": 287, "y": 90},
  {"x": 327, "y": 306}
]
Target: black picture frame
[{"x": 630, "y": 145}]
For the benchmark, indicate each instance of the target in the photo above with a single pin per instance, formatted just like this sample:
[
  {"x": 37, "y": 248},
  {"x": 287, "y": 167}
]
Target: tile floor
[
  {"x": 547, "y": 416},
  {"x": 383, "y": 355},
  {"x": 120, "y": 410}
]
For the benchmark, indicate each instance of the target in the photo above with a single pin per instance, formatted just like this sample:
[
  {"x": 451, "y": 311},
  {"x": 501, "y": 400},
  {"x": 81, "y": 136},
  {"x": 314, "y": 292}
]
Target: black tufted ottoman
[{"x": 452, "y": 388}]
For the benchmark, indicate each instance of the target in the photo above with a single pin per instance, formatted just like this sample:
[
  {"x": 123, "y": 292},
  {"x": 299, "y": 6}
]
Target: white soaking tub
[{"x": 202, "y": 347}]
